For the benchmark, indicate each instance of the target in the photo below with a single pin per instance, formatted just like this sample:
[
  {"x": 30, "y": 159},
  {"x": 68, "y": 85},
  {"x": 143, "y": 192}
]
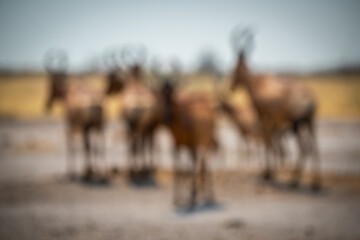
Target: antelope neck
[{"x": 247, "y": 77}]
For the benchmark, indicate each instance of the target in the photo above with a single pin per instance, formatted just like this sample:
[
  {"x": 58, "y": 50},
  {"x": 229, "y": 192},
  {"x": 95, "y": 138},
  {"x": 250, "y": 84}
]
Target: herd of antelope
[{"x": 279, "y": 107}]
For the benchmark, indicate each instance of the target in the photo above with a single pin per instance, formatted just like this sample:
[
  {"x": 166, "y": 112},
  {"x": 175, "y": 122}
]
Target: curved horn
[
  {"x": 134, "y": 54},
  {"x": 242, "y": 38},
  {"x": 110, "y": 58}
]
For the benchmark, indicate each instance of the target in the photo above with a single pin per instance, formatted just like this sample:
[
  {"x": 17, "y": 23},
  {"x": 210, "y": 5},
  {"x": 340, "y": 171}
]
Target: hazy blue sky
[{"x": 304, "y": 34}]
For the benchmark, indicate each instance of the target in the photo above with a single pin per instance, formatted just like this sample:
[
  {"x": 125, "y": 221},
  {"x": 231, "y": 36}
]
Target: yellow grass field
[{"x": 23, "y": 96}]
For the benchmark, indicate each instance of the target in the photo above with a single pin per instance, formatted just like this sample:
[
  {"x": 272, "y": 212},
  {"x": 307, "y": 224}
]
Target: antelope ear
[{"x": 242, "y": 38}]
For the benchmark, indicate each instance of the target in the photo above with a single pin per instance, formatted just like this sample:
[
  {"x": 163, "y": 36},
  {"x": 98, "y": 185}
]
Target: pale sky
[{"x": 305, "y": 35}]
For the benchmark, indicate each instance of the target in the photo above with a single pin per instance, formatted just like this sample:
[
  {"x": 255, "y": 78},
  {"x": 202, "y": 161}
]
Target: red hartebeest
[
  {"x": 83, "y": 113},
  {"x": 281, "y": 106}
]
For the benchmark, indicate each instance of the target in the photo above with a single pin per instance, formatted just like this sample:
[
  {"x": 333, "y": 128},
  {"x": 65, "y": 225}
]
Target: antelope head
[
  {"x": 116, "y": 75},
  {"x": 56, "y": 65},
  {"x": 242, "y": 41},
  {"x": 134, "y": 57}
]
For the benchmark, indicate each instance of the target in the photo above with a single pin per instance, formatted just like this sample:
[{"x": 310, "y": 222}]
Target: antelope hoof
[
  {"x": 88, "y": 174},
  {"x": 294, "y": 184},
  {"x": 210, "y": 202},
  {"x": 192, "y": 204},
  {"x": 191, "y": 207}
]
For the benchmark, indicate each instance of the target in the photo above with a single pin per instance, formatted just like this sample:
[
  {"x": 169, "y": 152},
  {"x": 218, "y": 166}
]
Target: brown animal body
[
  {"x": 83, "y": 114},
  {"x": 282, "y": 106},
  {"x": 139, "y": 112},
  {"x": 247, "y": 124},
  {"x": 191, "y": 123}
]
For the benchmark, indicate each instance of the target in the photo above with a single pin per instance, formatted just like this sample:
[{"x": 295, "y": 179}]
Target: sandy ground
[{"x": 37, "y": 202}]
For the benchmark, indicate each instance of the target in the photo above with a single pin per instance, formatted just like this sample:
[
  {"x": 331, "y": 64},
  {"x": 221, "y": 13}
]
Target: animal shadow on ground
[
  {"x": 93, "y": 180},
  {"x": 205, "y": 199},
  {"x": 199, "y": 208},
  {"x": 144, "y": 177},
  {"x": 286, "y": 186}
]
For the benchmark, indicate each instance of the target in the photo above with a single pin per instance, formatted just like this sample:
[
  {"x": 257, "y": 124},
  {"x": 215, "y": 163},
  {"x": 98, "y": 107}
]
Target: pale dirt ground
[{"x": 37, "y": 202}]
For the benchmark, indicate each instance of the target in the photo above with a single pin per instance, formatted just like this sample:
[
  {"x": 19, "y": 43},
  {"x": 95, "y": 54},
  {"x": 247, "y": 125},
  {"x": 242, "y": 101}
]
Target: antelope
[
  {"x": 282, "y": 106},
  {"x": 139, "y": 111},
  {"x": 190, "y": 120},
  {"x": 140, "y": 114},
  {"x": 83, "y": 113}
]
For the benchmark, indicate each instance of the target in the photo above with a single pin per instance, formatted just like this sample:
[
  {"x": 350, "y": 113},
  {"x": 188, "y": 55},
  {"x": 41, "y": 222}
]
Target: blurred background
[
  {"x": 315, "y": 43},
  {"x": 319, "y": 40}
]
